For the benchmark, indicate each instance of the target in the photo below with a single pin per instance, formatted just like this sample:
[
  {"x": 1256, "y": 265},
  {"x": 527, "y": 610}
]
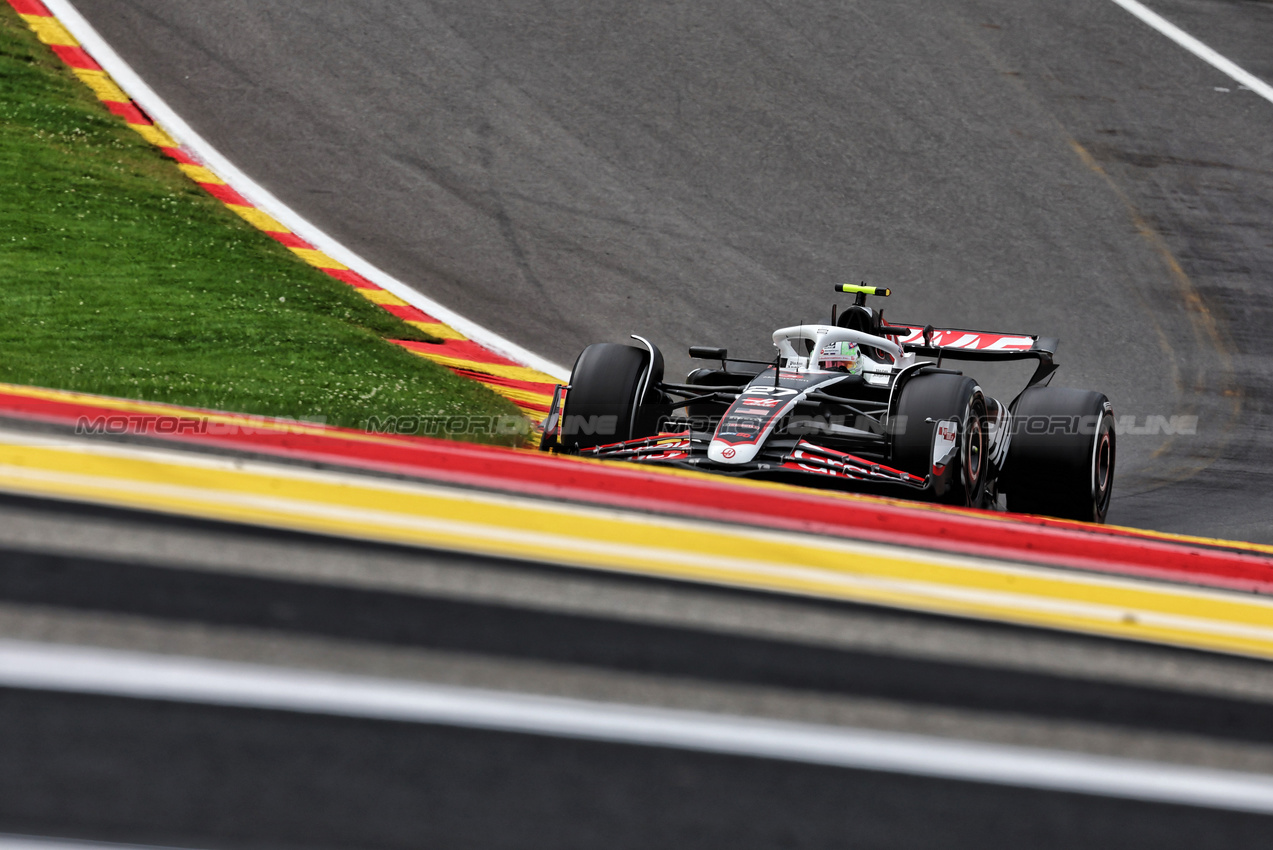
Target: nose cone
[{"x": 723, "y": 452}]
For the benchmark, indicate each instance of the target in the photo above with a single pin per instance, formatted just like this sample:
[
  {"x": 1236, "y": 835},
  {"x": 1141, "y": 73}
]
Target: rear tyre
[
  {"x": 1061, "y": 459},
  {"x": 602, "y": 405},
  {"x": 926, "y": 402}
]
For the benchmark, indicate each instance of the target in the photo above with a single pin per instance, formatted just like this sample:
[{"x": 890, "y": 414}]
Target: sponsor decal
[
  {"x": 728, "y": 453},
  {"x": 671, "y": 455},
  {"x": 736, "y": 428},
  {"x": 972, "y": 340},
  {"x": 768, "y": 391},
  {"x": 836, "y": 467},
  {"x": 827, "y": 461},
  {"x": 945, "y": 444},
  {"x": 747, "y": 419},
  {"x": 755, "y": 410}
]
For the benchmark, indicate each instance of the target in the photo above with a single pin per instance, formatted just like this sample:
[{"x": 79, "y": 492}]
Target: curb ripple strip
[{"x": 529, "y": 389}]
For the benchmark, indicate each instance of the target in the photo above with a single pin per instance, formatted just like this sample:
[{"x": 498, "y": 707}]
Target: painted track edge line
[
  {"x": 13, "y": 841},
  {"x": 1197, "y": 48},
  {"x": 179, "y": 129},
  {"x": 70, "y": 669}
]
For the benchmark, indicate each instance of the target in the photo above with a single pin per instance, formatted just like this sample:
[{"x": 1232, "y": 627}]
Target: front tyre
[
  {"x": 602, "y": 406},
  {"x": 1061, "y": 459},
  {"x": 941, "y": 433}
]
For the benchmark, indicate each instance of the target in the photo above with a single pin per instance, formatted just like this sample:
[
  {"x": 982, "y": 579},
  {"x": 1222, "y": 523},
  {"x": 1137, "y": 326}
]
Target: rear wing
[
  {"x": 955, "y": 343},
  {"x": 964, "y": 344}
]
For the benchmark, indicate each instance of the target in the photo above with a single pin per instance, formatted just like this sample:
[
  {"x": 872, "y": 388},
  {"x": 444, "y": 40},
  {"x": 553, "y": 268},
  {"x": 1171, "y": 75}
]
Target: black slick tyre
[
  {"x": 933, "y": 401},
  {"x": 1061, "y": 459},
  {"x": 602, "y": 406}
]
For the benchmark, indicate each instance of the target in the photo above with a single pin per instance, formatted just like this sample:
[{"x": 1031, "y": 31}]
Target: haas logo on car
[
  {"x": 752, "y": 401},
  {"x": 728, "y": 453}
]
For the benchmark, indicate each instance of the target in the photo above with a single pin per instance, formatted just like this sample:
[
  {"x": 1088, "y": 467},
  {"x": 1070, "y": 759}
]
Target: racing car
[{"x": 856, "y": 404}]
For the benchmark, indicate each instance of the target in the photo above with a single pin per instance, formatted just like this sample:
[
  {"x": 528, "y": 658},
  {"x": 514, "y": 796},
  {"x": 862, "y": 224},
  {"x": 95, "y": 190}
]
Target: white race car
[{"x": 855, "y": 404}]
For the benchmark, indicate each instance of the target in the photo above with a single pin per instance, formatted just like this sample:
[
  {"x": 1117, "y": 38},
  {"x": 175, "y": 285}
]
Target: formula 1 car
[{"x": 854, "y": 404}]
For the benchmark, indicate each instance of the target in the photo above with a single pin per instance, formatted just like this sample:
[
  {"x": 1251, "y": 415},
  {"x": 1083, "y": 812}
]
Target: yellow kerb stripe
[
  {"x": 318, "y": 258},
  {"x": 154, "y": 135},
  {"x": 107, "y": 403},
  {"x": 525, "y": 396},
  {"x": 506, "y": 526},
  {"x": 50, "y": 31},
  {"x": 102, "y": 85},
  {"x": 438, "y": 330},
  {"x": 515, "y": 373},
  {"x": 200, "y": 174},
  {"x": 536, "y": 417},
  {"x": 258, "y": 219},
  {"x": 381, "y": 296}
]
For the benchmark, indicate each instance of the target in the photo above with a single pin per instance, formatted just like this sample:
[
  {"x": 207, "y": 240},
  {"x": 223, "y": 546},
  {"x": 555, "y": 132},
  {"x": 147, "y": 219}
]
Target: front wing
[{"x": 800, "y": 456}]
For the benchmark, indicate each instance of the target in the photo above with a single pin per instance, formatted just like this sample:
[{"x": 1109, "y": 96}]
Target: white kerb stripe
[
  {"x": 173, "y": 678},
  {"x": 172, "y": 123},
  {"x": 1197, "y": 48}
]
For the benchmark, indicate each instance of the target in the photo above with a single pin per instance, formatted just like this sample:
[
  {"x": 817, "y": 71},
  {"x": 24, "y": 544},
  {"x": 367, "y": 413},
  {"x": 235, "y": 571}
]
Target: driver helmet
[{"x": 845, "y": 356}]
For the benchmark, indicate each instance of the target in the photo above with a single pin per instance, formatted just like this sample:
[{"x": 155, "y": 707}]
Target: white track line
[
  {"x": 34, "y": 842},
  {"x": 149, "y": 100},
  {"x": 1197, "y": 48},
  {"x": 191, "y": 680}
]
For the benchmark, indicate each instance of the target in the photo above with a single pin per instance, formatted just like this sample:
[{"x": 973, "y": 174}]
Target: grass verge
[{"x": 121, "y": 277}]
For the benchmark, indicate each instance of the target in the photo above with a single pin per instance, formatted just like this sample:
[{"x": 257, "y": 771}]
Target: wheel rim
[
  {"x": 1104, "y": 460},
  {"x": 973, "y": 453}
]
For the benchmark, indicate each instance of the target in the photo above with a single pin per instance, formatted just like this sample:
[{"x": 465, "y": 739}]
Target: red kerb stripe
[
  {"x": 408, "y": 313},
  {"x": 529, "y": 386},
  {"x": 462, "y": 349},
  {"x": 30, "y": 7},
  {"x": 291, "y": 240},
  {"x": 76, "y": 57},
  {"x": 225, "y": 194},
  {"x": 628, "y": 485},
  {"x": 180, "y": 156},
  {"x": 352, "y": 278},
  {"x": 129, "y": 112}
]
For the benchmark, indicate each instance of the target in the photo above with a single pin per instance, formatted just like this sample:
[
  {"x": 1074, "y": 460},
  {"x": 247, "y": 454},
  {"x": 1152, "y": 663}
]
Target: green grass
[{"x": 119, "y": 276}]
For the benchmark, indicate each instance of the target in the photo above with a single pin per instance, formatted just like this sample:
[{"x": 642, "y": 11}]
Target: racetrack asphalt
[
  {"x": 699, "y": 173},
  {"x": 202, "y": 776},
  {"x": 139, "y": 771}
]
